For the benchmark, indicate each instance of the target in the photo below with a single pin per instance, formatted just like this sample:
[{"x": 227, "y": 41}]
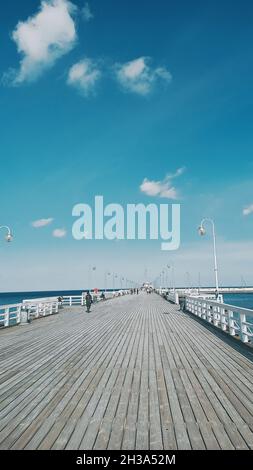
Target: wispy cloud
[
  {"x": 84, "y": 76},
  {"x": 59, "y": 233},
  {"x": 42, "y": 39},
  {"x": 42, "y": 222},
  {"x": 137, "y": 76},
  {"x": 164, "y": 188},
  {"x": 87, "y": 13},
  {"x": 248, "y": 210}
]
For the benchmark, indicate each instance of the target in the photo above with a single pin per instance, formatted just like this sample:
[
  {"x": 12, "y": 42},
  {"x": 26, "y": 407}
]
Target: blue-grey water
[
  {"x": 240, "y": 300},
  {"x": 17, "y": 297}
]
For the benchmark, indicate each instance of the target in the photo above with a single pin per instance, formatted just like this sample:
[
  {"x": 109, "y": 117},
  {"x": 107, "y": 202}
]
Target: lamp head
[
  {"x": 201, "y": 230},
  {"x": 9, "y": 237}
]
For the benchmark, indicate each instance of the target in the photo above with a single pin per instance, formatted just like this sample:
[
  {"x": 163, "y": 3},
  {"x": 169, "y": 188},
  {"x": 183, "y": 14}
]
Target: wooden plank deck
[{"x": 135, "y": 373}]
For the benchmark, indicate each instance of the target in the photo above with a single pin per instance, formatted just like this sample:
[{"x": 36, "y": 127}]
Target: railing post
[
  {"x": 243, "y": 328},
  {"x": 203, "y": 310},
  {"x": 209, "y": 314},
  {"x": 7, "y": 317},
  {"x": 198, "y": 308},
  {"x": 70, "y": 301},
  {"x": 231, "y": 324},
  {"x": 215, "y": 316},
  {"x": 223, "y": 319},
  {"x": 18, "y": 315}
]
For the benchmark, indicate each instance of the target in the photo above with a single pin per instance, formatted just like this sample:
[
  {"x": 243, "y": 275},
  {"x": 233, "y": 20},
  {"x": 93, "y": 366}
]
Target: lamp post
[
  {"x": 106, "y": 283},
  {"x": 9, "y": 236},
  {"x": 172, "y": 275},
  {"x": 202, "y": 232},
  {"x": 188, "y": 279},
  {"x": 92, "y": 269},
  {"x": 199, "y": 283},
  {"x": 114, "y": 276}
]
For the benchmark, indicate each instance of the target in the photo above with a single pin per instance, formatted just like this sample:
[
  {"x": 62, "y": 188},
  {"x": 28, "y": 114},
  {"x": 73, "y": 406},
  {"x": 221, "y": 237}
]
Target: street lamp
[
  {"x": 202, "y": 232},
  {"x": 9, "y": 236},
  {"x": 105, "y": 280},
  {"x": 108, "y": 274},
  {"x": 114, "y": 276},
  {"x": 172, "y": 274},
  {"x": 188, "y": 279},
  {"x": 162, "y": 279},
  {"x": 90, "y": 275}
]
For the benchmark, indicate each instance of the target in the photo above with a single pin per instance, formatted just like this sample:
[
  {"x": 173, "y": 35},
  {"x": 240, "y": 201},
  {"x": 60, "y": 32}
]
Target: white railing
[
  {"x": 20, "y": 313},
  {"x": 40, "y": 307},
  {"x": 73, "y": 300},
  {"x": 35, "y": 308},
  {"x": 10, "y": 314},
  {"x": 236, "y": 321}
]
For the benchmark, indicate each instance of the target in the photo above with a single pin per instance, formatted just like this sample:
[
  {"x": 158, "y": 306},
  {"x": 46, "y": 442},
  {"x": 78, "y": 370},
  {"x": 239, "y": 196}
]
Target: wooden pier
[{"x": 135, "y": 373}]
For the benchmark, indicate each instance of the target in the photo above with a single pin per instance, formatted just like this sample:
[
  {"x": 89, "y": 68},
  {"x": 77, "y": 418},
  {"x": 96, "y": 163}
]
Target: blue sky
[{"x": 74, "y": 125}]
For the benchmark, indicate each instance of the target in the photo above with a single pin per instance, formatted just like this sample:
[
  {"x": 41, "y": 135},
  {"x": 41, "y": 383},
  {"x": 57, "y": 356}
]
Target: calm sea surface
[
  {"x": 240, "y": 300},
  {"x": 17, "y": 297}
]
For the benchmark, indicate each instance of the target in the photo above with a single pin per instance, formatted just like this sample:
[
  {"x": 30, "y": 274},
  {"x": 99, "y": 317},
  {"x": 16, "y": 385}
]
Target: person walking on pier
[
  {"x": 102, "y": 296},
  {"x": 182, "y": 304},
  {"x": 88, "y": 301}
]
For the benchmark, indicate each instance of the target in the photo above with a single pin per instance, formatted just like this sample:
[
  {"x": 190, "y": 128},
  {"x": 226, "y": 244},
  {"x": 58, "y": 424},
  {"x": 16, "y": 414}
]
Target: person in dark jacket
[
  {"x": 102, "y": 296},
  {"x": 88, "y": 301},
  {"x": 182, "y": 304}
]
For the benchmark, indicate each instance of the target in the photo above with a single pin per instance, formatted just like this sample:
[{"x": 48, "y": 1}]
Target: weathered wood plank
[{"x": 134, "y": 374}]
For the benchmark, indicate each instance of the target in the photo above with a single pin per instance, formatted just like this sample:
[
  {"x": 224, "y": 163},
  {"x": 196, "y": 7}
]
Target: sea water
[{"x": 18, "y": 297}]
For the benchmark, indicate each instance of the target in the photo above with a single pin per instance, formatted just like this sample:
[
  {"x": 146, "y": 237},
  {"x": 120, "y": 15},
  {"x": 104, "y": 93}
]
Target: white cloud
[
  {"x": 87, "y": 13},
  {"x": 248, "y": 210},
  {"x": 84, "y": 75},
  {"x": 137, "y": 76},
  {"x": 179, "y": 172},
  {"x": 158, "y": 188},
  {"x": 42, "y": 39},
  {"x": 59, "y": 233},
  {"x": 164, "y": 188},
  {"x": 42, "y": 222}
]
